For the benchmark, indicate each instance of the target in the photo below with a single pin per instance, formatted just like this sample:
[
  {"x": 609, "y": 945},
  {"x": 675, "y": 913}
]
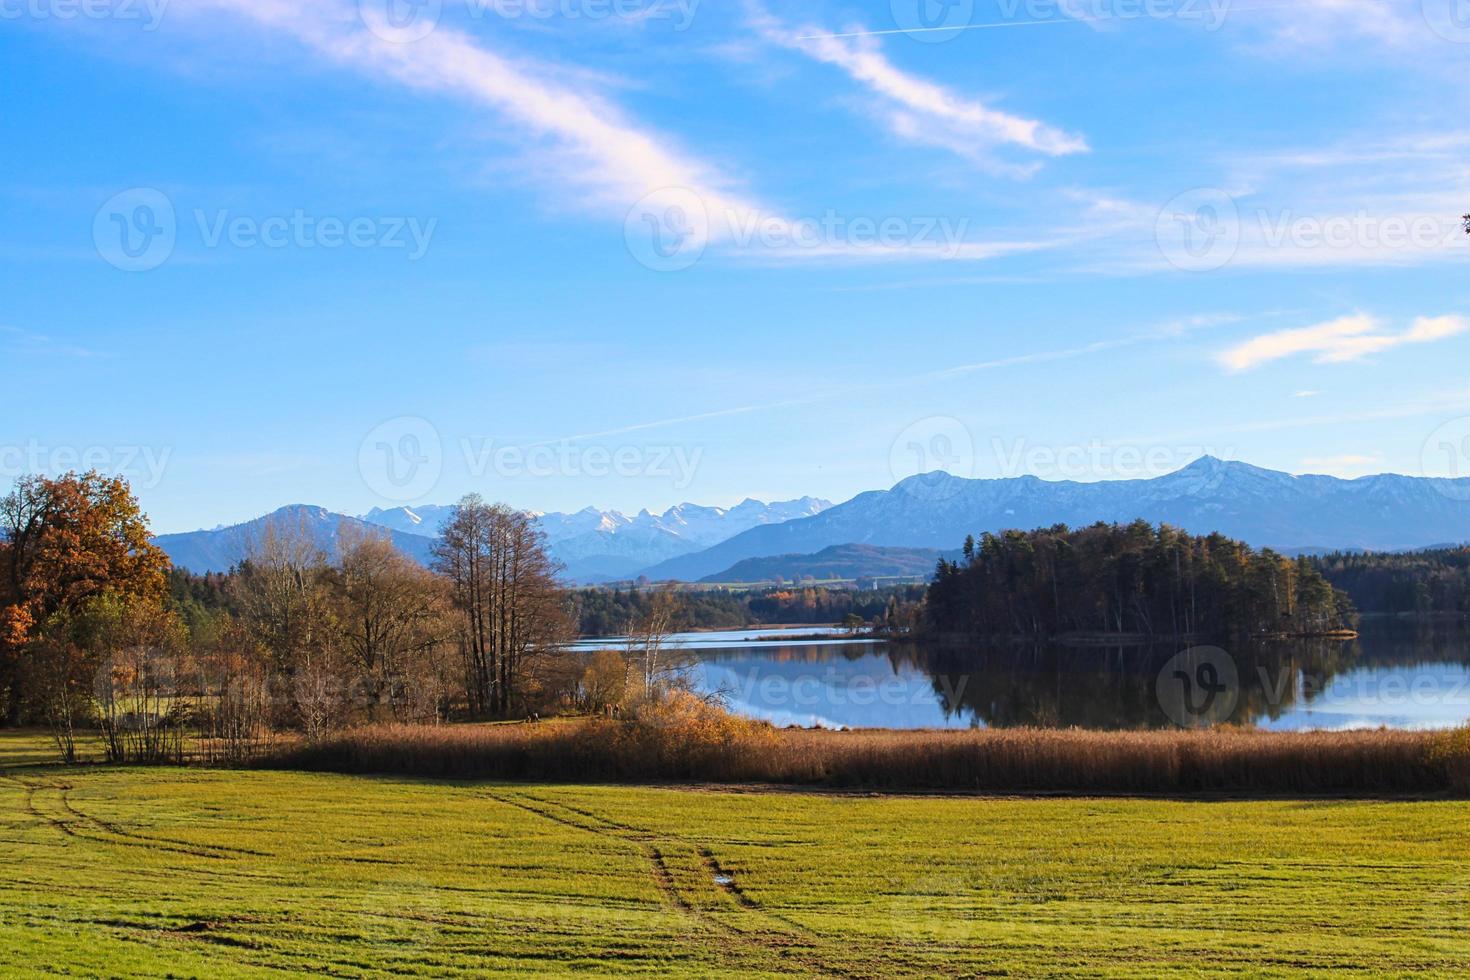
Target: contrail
[{"x": 1166, "y": 331}]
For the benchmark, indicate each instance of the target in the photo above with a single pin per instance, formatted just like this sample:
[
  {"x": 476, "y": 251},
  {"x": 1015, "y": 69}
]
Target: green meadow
[{"x": 197, "y": 872}]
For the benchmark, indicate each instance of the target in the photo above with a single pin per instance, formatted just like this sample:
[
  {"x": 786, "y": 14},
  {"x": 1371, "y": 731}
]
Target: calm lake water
[{"x": 1396, "y": 674}]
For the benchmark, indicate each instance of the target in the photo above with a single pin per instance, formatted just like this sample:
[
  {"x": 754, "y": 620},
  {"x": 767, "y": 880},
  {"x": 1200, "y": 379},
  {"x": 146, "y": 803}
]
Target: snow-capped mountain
[
  {"x": 424, "y": 521},
  {"x": 1263, "y": 507},
  {"x": 688, "y": 542},
  {"x": 221, "y": 549},
  {"x": 597, "y": 545}
]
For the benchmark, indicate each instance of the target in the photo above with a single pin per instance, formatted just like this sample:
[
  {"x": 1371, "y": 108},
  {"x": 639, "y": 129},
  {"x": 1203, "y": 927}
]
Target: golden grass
[{"x": 711, "y": 747}]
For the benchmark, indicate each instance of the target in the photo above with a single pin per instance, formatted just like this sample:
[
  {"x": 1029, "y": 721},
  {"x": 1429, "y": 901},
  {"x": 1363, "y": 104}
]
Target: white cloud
[
  {"x": 915, "y": 109},
  {"x": 615, "y": 164},
  {"x": 1319, "y": 24},
  {"x": 1348, "y": 338},
  {"x": 1337, "y": 205}
]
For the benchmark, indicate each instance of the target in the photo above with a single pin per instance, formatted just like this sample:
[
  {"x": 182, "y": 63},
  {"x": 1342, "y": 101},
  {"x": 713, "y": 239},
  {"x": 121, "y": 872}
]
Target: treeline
[
  {"x": 1424, "y": 583},
  {"x": 607, "y": 612},
  {"x": 96, "y": 631},
  {"x": 1128, "y": 579}
]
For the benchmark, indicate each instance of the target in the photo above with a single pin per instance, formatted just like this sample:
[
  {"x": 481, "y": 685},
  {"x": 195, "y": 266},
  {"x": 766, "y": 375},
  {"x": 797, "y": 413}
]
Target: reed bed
[{"x": 724, "y": 750}]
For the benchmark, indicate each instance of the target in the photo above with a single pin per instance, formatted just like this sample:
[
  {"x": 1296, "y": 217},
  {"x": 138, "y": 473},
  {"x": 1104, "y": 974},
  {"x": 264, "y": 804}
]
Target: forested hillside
[
  {"x": 1134, "y": 578},
  {"x": 1420, "y": 582},
  {"x": 607, "y": 612}
]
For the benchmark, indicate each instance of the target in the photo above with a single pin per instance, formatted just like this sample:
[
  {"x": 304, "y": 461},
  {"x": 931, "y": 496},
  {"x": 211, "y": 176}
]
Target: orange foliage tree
[{"x": 63, "y": 542}]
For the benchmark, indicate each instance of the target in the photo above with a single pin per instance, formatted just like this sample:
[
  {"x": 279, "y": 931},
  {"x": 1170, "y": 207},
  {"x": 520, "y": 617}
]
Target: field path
[{"x": 767, "y": 934}]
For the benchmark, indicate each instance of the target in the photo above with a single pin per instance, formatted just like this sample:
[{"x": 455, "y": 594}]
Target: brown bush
[
  {"x": 686, "y": 740},
  {"x": 1451, "y": 750}
]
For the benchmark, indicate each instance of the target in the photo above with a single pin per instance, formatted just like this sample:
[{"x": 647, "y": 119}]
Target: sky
[{"x": 628, "y": 253}]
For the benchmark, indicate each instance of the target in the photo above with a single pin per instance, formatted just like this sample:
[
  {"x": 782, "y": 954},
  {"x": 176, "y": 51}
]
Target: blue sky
[{"x": 573, "y": 252}]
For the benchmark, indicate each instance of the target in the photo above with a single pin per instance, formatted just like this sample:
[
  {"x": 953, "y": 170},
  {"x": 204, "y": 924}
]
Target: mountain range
[
  {"x": 593, "y": 545},
  {"x": 1265, "y": 508},
  {"x": 222, "y": 548}
]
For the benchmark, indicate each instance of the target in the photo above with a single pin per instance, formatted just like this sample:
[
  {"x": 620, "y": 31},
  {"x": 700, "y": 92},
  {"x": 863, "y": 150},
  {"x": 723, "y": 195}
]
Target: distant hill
[
  {"x": 845, "y": 561},
  {"x": 1264, "y": 508},
  {"x": 594, "y": 545},
  {"x": 601, "y": 545},
  {"x": 221, "y": 549}
]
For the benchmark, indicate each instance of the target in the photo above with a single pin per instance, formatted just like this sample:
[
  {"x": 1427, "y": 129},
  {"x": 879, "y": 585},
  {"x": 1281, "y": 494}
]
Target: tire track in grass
[
  {"x": 36, "y": 812},
  {"x": 186, "y": 847},
  {"x": 81, "y": 826},
  {"x": 722, "y": 878},
  {"x": 593, "y": 823},
  {"x": 103, "y": 834},
  {"x": 661, "y": 874},
  {"x": 727, "y": 883}
]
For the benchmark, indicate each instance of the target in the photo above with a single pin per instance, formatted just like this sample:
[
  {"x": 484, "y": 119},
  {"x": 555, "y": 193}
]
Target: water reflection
[{"x": 1402, "y": 675}]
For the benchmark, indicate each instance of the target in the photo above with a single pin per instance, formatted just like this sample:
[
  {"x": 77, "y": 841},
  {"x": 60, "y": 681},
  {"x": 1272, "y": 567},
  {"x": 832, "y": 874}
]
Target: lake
[{"x": 1395, "y": 674}]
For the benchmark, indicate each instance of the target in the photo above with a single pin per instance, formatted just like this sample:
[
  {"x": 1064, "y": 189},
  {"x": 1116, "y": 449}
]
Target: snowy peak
[
  {"x": 617, "y": 546},
  {"x": 223, "y": 548},
  {"x": 1265, "y": 508},
  {"x": 603, "y": 544}
]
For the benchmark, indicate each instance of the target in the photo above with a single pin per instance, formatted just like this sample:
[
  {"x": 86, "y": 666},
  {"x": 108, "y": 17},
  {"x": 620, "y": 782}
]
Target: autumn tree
[
  {"x": 504, "y": 587},
  {"x": 283, "y": 594},
  {"x": 65, "y": 542},
  {"x": 139, "y": 684},
  {"x": 392, "y": 614}
]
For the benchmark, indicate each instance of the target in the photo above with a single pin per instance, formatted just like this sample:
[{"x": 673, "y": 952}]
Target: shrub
[{"x": 685, "y": 739}]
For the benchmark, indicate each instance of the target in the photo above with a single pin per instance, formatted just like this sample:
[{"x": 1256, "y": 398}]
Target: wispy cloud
[
  {"x": 1162, "y": 333},
  {"x": 619, "y": 160},
  {"x": 1333, "y": 205},
  {"x": 16, "y": 341},
  {"x": 613, "y": 163},
  {"x": 916, "y": 109},
  {"x": 1348, "y": 338},
  {"x": 1318, "y": 24}
]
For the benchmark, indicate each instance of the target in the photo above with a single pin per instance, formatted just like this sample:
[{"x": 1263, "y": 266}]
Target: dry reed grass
[{"x": 692, "y": 744}]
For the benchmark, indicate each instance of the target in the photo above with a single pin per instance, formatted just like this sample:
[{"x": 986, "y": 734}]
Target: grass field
[{"x": 152, "y": 872}]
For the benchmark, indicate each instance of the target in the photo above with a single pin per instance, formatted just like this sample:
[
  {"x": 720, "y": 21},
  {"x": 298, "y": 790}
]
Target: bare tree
[
  {"x": 661, "y": 666},
  {"x": 504, "y": 587},
  {"x": 142, "y": 703},
  {"x": 234, "y": 680},
  {"x": 392, "y": 615},
  {"x": 281, "y": 592}
]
